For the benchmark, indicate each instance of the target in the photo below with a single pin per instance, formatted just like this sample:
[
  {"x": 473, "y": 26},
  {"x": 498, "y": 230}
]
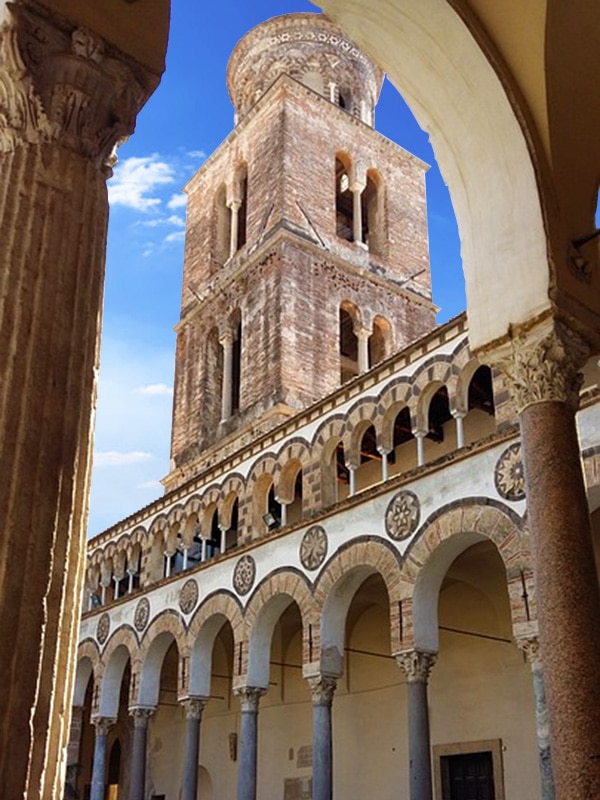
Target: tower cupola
[{"x": 313, "y": 51}]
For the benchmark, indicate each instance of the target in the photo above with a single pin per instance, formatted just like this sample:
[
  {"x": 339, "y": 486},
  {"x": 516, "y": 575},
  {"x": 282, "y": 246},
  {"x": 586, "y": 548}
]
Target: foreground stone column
[
  {"x": 102, "y": 726},
  {"x": 531, "y": 648},
  {"x": 66, "y": 98},
  {"x": 137, "y": 779},
  {"x": 194, "y": 706},
  {"x": 322, "y": 689},
  {"x": 542, "y": 372},
  {"x": 249, "y": 697},
  {"x": 417, "y": 666}
]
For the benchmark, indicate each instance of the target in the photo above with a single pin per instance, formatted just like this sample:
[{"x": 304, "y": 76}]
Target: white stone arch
[
  {"x": 454, "y": 88},
  {"x": 260, "y": 637},
  {"x": 149, "y": 687},
  {"x": 201, "y": 655},
  {"x": 83, "y": 673},
  {"x": 112, "y": 678}
]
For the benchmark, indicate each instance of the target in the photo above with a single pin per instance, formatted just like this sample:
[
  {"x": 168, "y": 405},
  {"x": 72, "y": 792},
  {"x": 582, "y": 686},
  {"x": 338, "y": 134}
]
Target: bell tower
[{"x": 306, "y": 255}]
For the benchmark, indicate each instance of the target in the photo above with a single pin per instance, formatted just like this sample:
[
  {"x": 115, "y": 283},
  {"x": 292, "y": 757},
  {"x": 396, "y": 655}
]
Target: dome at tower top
[{"x": 310, "y": 49}]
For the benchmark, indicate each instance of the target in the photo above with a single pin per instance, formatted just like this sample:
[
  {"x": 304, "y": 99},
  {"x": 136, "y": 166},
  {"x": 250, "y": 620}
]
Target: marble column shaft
[
  {"x": 322, "y": 690},
  {"x": 194, "y": 706},
  {"x": 248, "y": 751},
  {"x": 137, "y": 780},
  {"x": 417, "y": 666},
  {"x": 102, "y": 726},
  {"x": 66, "y": 99}
]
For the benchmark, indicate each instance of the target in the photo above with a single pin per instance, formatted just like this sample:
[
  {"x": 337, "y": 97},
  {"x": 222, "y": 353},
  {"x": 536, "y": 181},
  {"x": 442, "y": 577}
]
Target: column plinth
[
  {"x": 542, "y": 369},
  {"x": 417, "y": 665},
  {"x": 68, "y": 97}
]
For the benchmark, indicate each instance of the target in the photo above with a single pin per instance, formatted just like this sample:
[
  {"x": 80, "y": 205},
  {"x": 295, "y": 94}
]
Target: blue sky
[{"x": 186, "y": 119}]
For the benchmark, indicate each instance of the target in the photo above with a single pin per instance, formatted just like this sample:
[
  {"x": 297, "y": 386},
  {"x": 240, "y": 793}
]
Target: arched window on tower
[
  {"x": 236, "y": 366},
  {"x": 379, "y": 341},
  {"x": 213, "y": 382},
  {"x": 343, "y": 199},
  {"x": 222, "y": 227},
  {"x": 371, "y": 199},
  {"x": 242, "y": 213},
  {"x": 348, "y": 345}
]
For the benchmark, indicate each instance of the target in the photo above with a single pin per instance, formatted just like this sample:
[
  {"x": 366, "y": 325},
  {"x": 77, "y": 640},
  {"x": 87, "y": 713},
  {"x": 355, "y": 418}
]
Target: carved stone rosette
[
  {"x": 322, "y": 689},
  {"x": 417, "y": 665},
  {"x": 244, "y": 575},
  {"x": 142, "y": 614},
  {"x": 543, "y": 364},
  {"x": 249, "y": 697},
  {"x": 103, "y": 628},
  {"x": 509, "y": 475},
  {"x": 194, "y": 706},
  {"x": 402, "y": 515},
  {"x": 313, "y": 547},
  {"x": 141, "y": 715},
  {"x": 188, "y": 596}
]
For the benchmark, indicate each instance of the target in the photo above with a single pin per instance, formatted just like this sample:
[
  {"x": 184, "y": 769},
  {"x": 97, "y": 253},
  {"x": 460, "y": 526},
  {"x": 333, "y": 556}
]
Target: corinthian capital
[
  {"x": 103, "y": 725},
  {"x": 141, "y": 715},
  {"x": 416, "y": 664},
  {"x": 543, "y": 364},
  {"x": 322, "y": 688},
  {"x": 249, "y": 697},
  {"x": 64, "y": 84}
]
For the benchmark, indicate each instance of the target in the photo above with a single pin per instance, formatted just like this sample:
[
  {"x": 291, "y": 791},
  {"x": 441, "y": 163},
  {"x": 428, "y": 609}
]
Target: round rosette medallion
[
  {"x": 402, "y": 515},
  {"x": 141, "y": 615},
  {"x": 313, "y": 547},
  {"x": 188, "y": 596},
  {"x": 103, "y": 628},
  {"x": 509, "y": 476},
  {"x": 244, "y": 574}
]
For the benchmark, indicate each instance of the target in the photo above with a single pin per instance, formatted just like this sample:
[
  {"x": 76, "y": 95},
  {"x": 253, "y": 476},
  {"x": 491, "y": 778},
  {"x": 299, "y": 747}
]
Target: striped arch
[
  {"x": 217, "y": 610},
  {"x": 435, "y": 373},
  {"x": 88, "y": 662},
  {"x": 122, "y": 647},
  {"x": 360, "y": 416},
  {"x": 268, "y": 602},
  {"x": 176, "y": 515},
  {"x": 461, "y": 395},
  {"x": 337, "y": 585},
  {"x": 165, "y": 629},
  {"x": 334, "y": 427},
  {"x": 293, "y": 456},
  {"x": 264, "y": 473},
  {"x": 396, "y": 396},
  {"x": 444, "y": 536},
  {"x": 234, "y": 488}
]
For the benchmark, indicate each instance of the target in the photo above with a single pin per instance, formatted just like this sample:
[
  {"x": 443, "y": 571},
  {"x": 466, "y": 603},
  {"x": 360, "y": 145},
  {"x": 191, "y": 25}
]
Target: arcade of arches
[{"x": 507, "y": 92}]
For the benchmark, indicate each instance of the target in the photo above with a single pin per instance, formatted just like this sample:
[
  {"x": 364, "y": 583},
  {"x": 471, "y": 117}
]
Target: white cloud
[
  {"x": 177, "y": 201},
  {"x": 113, "y": 458},
  {"x": 156, "y": 389},
  {"x": 197, "y": 154},
  {"x": 135, "y": 182},
  {"x": 178, "y": 236},
  {"x": 174, "y": 219},
  {"x": 155, "y": 486}
]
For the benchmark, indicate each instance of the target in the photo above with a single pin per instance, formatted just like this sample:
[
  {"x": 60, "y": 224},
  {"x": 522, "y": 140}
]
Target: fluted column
[
  {"x": 102, "y": 726},
  {"x": 66, "y": 98},
  {"x": 137, "y": 779},
  {"x": 194, "y": 706},
  {"x": 249, "y": 697},
  {"x": 417, "y": 665},
  {"x": 322, "y": 689},
  {"x": 542, "y": 368},
  {"x": 531, "y": 648}
]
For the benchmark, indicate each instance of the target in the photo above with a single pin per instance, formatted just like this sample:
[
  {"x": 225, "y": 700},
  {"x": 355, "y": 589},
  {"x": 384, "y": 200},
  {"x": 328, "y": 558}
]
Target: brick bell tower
[{"x": 306, "y": 255}]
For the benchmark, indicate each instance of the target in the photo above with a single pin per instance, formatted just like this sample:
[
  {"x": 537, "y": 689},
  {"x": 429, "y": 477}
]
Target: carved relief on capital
[
  {"x": 60, "y": 83},
  {"x": 249, "y": 697},
  {"x": 194, "y": 706},
  {"x": 103, "y": 725},
  {"x": 531, "y": 648},
  {"x": 322, "y": 689},
  {"x": 543, "y": 364},
  {"x": 416, "y": 664},
  {"x": 141, "y": 715}
]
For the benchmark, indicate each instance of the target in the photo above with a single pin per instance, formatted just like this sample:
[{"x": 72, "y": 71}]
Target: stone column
[
  {"x": 226, "y": 342},
  {"x": 223, "y": 545},
  {"x": 249, "y": 698},
  {"x": 66, "y": 98},
  {"x": 362, "y": 334},
  {"x": 137, "y": 779},
  {"x": 194, "y": 706},
  {"x": 385, "y": 466},
  {"x": 542, "y": 370},
  {"x": 322, "y": 689},
  {"x": 420, "y": 437},
  {"x": 234, "y": 206},
  {"x": 531, "y": 648},
  {"x": 102, "y": 726},
  {"x": 459, "y": 416},
  {"x": 357, "y": 190},
  {"x": 417, "y": 666},
  {"x": 352, "y": 479}
]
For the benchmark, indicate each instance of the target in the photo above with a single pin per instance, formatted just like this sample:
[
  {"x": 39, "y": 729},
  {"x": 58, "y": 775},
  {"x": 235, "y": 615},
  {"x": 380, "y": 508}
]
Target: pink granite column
[
  {"x": 543, "y": 372},
  {"x": 66, "y": 98}
]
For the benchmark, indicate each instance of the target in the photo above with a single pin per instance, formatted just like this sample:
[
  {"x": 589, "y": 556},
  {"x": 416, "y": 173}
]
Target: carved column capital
[
  {"x": 141, "y": 715},
  {"x": 416, "y": 664},
  {"x": 103, "y": 725},
  {"x": 62, "y": 83},
  {"x": 194, "y": 706},
  {"x": 322, "y": 688},
  {"x": 249, "y": 697},
  {"x": 531, "y": 648},
  {"x": 543, "y": 364}
]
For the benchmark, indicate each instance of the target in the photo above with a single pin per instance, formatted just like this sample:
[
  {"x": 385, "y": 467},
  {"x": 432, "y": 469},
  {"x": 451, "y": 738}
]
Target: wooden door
[{"x": 468, "y": 776}]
